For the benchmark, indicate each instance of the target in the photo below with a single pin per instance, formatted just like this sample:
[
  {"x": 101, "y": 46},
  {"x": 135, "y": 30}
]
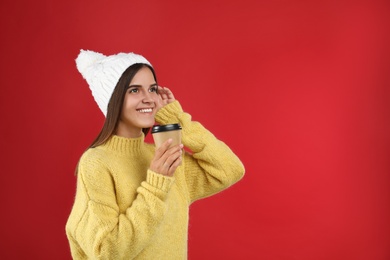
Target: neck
[{"x": 129, "y": 133}]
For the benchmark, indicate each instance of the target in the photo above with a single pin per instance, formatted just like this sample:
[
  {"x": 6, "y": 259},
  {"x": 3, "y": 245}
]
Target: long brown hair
[{"x": 115, "y": 104}]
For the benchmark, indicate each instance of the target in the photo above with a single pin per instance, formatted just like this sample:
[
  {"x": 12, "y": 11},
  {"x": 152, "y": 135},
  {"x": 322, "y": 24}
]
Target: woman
[{"x": 132, "y": 200}]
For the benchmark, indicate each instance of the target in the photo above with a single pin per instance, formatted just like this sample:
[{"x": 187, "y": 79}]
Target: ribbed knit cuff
[
  {"x": 159, "y": 181},
  {"x": 169, "y": 113}
]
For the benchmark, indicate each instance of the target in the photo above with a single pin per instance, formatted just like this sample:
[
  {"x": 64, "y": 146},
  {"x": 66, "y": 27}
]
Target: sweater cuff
[
  {"x": 169, "y": 113},
  {"x": 159, "y": 181}
]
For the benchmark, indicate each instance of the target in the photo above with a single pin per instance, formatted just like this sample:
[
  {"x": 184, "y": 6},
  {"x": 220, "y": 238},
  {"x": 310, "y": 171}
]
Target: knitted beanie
[{"x": 102, "y": 73}]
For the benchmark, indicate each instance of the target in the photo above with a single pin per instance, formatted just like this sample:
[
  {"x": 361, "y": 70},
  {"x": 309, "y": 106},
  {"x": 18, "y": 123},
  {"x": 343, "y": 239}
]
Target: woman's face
[{"x": 140, "y": 104}]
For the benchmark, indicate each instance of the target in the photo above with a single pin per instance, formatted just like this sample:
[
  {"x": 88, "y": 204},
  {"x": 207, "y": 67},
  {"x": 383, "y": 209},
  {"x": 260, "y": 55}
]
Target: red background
[{"x": 298, "y": 89}]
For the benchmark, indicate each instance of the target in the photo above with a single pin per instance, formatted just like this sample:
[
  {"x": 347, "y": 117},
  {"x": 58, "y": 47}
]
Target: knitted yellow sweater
[{"x": 123, "y": 210}]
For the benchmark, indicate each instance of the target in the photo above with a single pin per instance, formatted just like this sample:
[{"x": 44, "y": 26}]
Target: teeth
[{"x": 147, "y": 110}]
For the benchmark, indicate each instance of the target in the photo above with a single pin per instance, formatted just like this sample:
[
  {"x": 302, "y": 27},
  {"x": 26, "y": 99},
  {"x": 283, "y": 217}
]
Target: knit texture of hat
[{"x": 102, "y": 73}]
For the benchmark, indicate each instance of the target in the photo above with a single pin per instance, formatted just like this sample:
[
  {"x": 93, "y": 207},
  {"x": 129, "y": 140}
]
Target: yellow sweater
[{"x": 123, "y": 210}]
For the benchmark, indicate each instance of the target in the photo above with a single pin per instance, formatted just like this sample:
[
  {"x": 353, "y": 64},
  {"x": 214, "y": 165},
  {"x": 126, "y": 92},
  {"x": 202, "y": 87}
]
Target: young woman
[{"x": 132, "y": 200}]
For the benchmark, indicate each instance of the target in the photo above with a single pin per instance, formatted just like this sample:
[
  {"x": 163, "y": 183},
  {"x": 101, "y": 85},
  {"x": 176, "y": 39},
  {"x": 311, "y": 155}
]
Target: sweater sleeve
[
  {"x": 102, "y": 231},
  {"x": 213, "y": 166}
]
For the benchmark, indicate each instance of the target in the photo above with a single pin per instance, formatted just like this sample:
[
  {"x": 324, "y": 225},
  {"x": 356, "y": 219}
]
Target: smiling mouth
[{"x": 145, "y": 110}]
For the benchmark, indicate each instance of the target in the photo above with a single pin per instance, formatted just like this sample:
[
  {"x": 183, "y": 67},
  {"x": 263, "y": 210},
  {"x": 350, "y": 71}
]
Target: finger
[
  {"x": 169, "y": 93},
  {"x": 160, "y": 157},
  {"x": 164, "y": 97},
  {"x": 174, "y": 166},
  {"x": 163, "y": 148},
  {"x": 166, "y": 155},
  {"x": 171, "y": 154},
  {"x": 161, "y": 90},
  {"x": 166, "y": 91},
  {"x": 163, "y": 164},
  {"x": 172, "y": 150}
]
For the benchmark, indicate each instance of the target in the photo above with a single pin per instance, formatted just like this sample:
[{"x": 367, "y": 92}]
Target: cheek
[
  {"x": 127, "y": 107},
  {"x": 156, "y": 98},
  {"x": 129, "y": 102},
  {"x": 128, "y": 110}
]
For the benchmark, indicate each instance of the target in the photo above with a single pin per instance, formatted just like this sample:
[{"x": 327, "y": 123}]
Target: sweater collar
[{"x": 125, "y": 145}]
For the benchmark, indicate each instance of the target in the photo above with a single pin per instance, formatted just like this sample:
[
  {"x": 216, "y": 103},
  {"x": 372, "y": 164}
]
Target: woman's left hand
[{"x": 166, "y": 95}]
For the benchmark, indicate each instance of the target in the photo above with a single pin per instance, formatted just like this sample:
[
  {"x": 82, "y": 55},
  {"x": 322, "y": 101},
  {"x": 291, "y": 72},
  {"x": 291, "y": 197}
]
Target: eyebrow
[{"x": 140, "y": 86}]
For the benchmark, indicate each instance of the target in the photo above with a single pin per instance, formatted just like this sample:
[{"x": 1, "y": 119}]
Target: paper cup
[{"x": 161, "y": 133}]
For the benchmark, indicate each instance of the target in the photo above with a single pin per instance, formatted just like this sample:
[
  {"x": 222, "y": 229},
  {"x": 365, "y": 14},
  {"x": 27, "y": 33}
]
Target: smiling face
[{"x": 139, "y": 105}]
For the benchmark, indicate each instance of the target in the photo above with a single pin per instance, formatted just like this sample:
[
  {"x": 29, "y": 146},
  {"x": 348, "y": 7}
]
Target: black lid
[{"x": 164, "y": 128}]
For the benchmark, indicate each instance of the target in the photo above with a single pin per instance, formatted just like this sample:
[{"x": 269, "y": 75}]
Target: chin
[{"x": 147, "y": 125}]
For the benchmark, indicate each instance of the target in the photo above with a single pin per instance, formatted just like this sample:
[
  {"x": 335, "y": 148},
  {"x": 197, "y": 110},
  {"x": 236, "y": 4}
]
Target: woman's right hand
[{"x": 166, "y": 159}]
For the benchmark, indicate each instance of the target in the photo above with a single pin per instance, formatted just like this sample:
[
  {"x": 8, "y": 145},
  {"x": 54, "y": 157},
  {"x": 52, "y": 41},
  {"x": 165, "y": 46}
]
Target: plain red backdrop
[{"x": 298, "y": 89}]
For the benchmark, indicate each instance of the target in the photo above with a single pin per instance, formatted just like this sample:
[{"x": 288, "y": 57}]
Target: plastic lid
[{"x": 164, "y": 128}]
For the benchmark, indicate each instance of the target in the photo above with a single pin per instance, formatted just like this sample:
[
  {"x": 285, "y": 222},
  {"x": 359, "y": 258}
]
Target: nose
[{"x": 147, "y": 98}]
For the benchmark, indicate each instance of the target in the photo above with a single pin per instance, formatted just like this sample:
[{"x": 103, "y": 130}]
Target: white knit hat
[{"x": 103, "y": 72}]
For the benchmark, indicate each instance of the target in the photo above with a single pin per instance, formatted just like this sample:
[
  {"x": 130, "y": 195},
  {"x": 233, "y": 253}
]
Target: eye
[
  {"x": 133, "y": 90},
  {"x": 153, "y": 89}
]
